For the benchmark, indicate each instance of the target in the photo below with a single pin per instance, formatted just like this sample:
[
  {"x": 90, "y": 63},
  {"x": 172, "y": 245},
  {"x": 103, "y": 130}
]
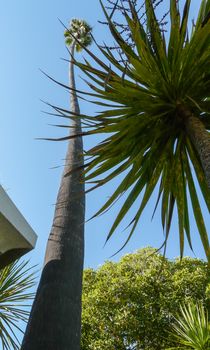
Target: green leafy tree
[
  {"x": 55, "y": 318},
  {"x": 192, "y": 328},
  {"x": 130, "y": 304},
  {"x": 155, "y": 112},
  {"x": 16, "y": 281}
]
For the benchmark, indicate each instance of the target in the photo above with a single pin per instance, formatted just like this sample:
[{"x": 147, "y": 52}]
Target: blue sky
[{"x": 32, "y": 39}]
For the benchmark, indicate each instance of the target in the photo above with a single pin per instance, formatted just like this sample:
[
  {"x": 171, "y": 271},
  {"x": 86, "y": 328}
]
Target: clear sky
[{"x": 32, "y": 39}]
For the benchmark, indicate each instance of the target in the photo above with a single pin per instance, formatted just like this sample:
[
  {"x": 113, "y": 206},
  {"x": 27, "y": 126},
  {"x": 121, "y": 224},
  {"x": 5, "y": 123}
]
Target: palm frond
[
  {"x": 191, "y": 328},
  {"x": 16, "y": 281}
]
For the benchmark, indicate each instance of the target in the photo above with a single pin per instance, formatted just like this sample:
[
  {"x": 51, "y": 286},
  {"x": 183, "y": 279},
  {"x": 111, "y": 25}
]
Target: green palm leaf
[
  {"x": 16, "y": 281},
  {"x": 191, "y": 328}
]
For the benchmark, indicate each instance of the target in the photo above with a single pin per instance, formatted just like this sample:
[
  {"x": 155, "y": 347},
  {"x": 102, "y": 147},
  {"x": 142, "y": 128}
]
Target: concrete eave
[{"x": 15, "y": 232}]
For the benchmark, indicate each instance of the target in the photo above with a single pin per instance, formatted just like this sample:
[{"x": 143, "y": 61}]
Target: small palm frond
[
  {"x": 16, "y": 281},
  {"x": 146, "y": 137},
  {"x": 80, "y": 31},
  {"x": 191, "y": 328}
]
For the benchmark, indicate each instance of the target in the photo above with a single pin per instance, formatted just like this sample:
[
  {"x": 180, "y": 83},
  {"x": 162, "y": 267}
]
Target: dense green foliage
[
  {"x": 155, "y": 116},
  {"x": 129, "y": 305}
]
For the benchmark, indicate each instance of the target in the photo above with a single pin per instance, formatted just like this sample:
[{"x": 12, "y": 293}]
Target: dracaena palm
[
  {"x": 55, "y": 319},
  {"x": 156, "y": 117},
  {"x": 192, "y": 328}
]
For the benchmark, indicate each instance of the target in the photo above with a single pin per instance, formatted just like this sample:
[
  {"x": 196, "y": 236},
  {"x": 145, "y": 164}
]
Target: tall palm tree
[
  {"x": 157, "y": 116},
  {"x": 55, "y": 319}
]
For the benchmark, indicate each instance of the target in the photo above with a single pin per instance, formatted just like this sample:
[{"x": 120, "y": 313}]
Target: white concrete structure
[{"x": 16, "y": 235}]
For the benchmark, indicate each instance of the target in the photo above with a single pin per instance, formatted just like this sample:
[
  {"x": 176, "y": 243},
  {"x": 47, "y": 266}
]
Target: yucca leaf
[
  {"x": 157, "y": 40},
  {"x": 138, "y": 187},
  {"x": 179, "y": 193},
  {"x": 186, "y": 212},
  {"x": 199, "y": 173},
  {"x": 174, "y": 33},
  {"x": 119, "y": 39},
  {"x": 192, "y": 54},
  {"x": 141, "y": 39},
  {"x": 148, "y": 191},
  {"x": 197, "y": 210},
  {"x": 127, "y": 182},
  {"x": 184, "y": 23},
  {"x": 206, "y": 13}
]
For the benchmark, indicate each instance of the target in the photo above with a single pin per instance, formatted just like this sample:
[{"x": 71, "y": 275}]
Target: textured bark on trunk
[
  {"x": 200, "y": 138},
  {"x": 55, "y": 319}
]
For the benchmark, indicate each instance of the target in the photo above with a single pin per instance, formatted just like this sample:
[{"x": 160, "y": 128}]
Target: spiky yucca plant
[
  {"x": 15, "y": 282},
  {"x": 191, "y": 328},
  {"x": 156, "y": 116}
]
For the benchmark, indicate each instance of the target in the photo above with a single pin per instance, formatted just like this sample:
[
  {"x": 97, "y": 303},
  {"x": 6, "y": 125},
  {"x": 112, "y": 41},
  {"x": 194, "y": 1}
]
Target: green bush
[{"x": 130, "y": 304}]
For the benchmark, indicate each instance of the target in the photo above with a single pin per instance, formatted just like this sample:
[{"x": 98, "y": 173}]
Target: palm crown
[
  {"x": 156, "y": 117},
  {"x": 79, "y": 33}
]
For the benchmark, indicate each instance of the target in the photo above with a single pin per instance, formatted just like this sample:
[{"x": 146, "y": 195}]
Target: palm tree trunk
[
  {"x": 200, "y": 138},
  {"x": 55, "y": 319}
]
